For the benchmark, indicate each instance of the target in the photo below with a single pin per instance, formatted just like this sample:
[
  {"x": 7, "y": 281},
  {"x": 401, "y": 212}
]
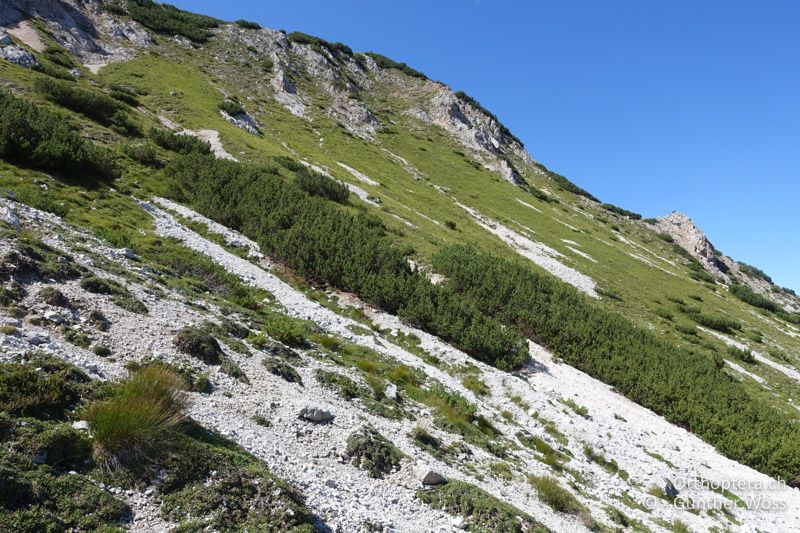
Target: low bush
[
  {"x": 481, "y": 510},
  {"x": 95, "y": 105},
  {"x": 199, "y": 344},
  {"x": 139, "y": 415},
  {"x": 44, "y": 387},
  {"x": 34, "y": 136},
  {"x": 746, "y": 295},
  {"x": 384, "y": 62},
  {"x": 169, "y": 20},
  {"x": 178, "y": 142},
  {"x": 328, "y": 245},
  {"x": 59, "y": 56},
  {"x": 743, "y": 355},
  {"x": 54, "y": 297},
  {"x": 231, "y": 107},
  {"x": 248, "y": 25},
  {"x": 283, "y": 370},
  {"x": 554, "y": 495},
  {"x": 369, "y": 450},
  {"x": 322, "y": 186},
  {"x": 685, "y": 387},
  {"x": 285, "y": 330},
  {"x": 620, "y": 211},
  {"x": 143, "y": 153},
  {"x": 229, "y": 367}
]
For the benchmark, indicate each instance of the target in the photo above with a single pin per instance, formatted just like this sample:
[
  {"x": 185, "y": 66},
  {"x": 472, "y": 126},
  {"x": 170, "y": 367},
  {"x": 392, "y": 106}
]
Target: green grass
[
  {"x": 141, "y": 414},
  {"x": 554, "y": 495},
  {"x": 482, "y": 511}
]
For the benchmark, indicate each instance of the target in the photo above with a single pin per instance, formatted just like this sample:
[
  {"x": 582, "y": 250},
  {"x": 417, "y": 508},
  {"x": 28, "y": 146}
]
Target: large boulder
[
  {"x": 427, "y": 476},
  {"x": 18, "y": 56},
  {"x": 317, "y": 415}
]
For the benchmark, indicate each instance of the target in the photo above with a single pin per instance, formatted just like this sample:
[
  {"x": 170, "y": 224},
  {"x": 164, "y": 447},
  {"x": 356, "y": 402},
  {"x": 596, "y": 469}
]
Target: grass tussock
[{"x": 140, "y": 414}]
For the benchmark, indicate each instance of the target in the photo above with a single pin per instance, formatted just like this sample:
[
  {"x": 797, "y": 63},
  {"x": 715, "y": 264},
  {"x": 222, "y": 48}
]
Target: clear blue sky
[{"x": 651, "y": 105}]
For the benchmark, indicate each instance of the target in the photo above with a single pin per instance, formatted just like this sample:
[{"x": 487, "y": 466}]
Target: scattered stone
[
  {"x": 429, "y": 477},
  {"x": 315, "y": 414},
  {"x": 125, "y": 252},
  {"x": 81, "y": 425},
  {"x": 8, "y": 216},
  {"x": 669, "y": 489},
  {"x": 391, "y": 391}
]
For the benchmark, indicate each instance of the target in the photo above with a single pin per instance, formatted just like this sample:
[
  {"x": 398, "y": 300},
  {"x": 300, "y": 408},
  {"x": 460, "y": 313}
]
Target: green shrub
[
  {"x": 481, "y": 510},
  {"x": 620, "y": 211},
  {"x": 119, "y": 294},
  {"x": 44, "y": 387},
  {"x": 564, "y": 184},
  {"x": 59, "y": 56},
  {"x": 37, "y": 137},
  {"x": 369, "y": 450},
  {"x": 143, "y": 153},
  {"x": 554, "y": 495},
  {"x": 54, "y": 71},
  {"x": 199, "y": 344},
  {"x": 179, "y": 143},
  {"x": 756, "y": 300},
  {"x": 686, "y": 388},
  {"x": 139, "y": 416},
  {"x": 322, "y": 186},
  {"x": 248, "y": 25},
  {"x": 328, "y": 245},
  {"x": 285, "y": 330},
  {"x": 95, "y": 105},
  {"x": 54, "y": 297},
  {"x": 318, "y": 43},
  {"x": 283, "y": 370},
  {"x": 716, "y": 322},
  {"x": 750, "y": 270},
  {"x": 384, "y": 62},
  {"x": 229, "y": 367},
  {"x": 231, "y": 107},
  {"x": 743, "y": 355},
  {"x": 101, "y": 350},
  {"x": 169, "y": 20}
]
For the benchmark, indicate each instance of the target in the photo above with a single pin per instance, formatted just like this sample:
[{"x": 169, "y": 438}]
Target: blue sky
[{"x": 653, "y": 106}]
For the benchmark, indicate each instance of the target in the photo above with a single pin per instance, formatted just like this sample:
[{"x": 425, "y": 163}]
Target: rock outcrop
[{"x": 692, "y": 239}]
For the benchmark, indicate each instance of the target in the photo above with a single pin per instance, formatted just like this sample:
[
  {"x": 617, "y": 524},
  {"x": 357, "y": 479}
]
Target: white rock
[
  {"x": 391, "y": 391},
  {"x": 315, "y": 414},
  {"x": 125, "y": 252},
  {"x": 8, "y": 216},
  {"x": 81, "y": 425}
]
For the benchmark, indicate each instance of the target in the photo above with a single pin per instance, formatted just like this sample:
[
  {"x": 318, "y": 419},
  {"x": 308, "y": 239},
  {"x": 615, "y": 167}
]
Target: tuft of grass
[
  {"x": 138, "y": 417},
  {"x": 476, "y": 385},
  {"x": 554, "y": 495},
  {"x": 287, "y": 331}
]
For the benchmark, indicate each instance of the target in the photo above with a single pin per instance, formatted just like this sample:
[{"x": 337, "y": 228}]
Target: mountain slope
[{"x": 426, "y": 168}]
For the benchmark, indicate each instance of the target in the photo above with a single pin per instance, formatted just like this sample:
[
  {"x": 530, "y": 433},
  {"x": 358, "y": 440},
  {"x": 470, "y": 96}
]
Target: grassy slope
[{"x": 642, "y": 289}]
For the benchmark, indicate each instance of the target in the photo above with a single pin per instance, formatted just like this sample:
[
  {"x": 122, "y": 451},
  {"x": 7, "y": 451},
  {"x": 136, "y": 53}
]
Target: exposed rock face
[
  {"x": 82, "y": 26},
  {"x": 692, "y": 239},
  {"x": 18, "y": 56}
]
